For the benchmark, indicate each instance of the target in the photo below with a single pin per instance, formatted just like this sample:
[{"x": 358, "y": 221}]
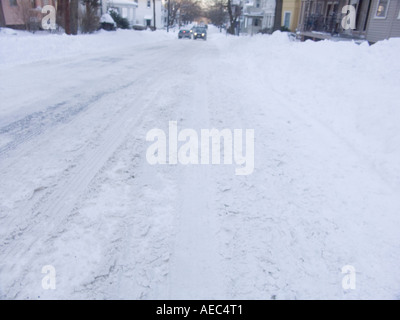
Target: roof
[{"x": 126, "y": 3}]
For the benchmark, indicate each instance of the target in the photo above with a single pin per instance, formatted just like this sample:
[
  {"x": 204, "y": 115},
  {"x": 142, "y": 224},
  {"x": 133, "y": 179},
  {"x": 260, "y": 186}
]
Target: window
[
  {"x": 257, "y": 3},
  {"x": 256, "y": 22},
  {"x": 148, "y": 3},
  {"x": 332, "y": 9},
  {"x": 286, "y": 19},
  {"x": 13, "y": 3},
  {"x": 399, "y": 15},
  {"x": 382, "y": 8}
]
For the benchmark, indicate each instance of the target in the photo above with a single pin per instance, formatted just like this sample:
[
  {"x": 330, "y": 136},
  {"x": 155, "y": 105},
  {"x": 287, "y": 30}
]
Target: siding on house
[
  {"x": 292, "y": 7},
  {"x": 12, "y": 14},
  {"x": 384, "y": 28}
]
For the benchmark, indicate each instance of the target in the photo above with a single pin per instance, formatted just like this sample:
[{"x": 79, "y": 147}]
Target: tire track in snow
[
  {"x": 49, "y": 212},
  {"x": 195, "y": 270}
]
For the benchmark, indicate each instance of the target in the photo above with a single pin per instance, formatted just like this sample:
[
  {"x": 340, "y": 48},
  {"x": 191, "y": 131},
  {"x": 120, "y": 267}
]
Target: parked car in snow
[{"x": 184, "y": 33}]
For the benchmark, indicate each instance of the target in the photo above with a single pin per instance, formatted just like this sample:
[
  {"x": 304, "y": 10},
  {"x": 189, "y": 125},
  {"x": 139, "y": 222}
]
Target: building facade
[
  {"x": 257, "y": 16},
  {"x": 290, "y": 14},
  {"x": 323, "y": 18},
  {"x": 22, "y": 14},
  {"x": 144, "y": 13},
  {"x": 374, "y": 19},
  {"x": 384, "y": 20}
]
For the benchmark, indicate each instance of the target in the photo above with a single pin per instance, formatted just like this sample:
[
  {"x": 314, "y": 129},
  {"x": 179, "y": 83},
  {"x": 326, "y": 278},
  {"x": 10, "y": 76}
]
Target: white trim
[
  {"x": 386, "y": 12},
  {"x": 398, "y": 15}
]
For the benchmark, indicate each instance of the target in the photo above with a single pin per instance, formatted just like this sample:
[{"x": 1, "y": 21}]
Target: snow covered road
[{"x": 77, "y": 192}]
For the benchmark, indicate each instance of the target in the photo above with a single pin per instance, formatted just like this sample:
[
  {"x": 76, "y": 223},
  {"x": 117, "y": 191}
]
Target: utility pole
[
  {"x": 74, "y": 16},
  {"x": 67, "y": 14},
  {"x": 154, "y": 15},
  {"x": 168, "y": 16}
]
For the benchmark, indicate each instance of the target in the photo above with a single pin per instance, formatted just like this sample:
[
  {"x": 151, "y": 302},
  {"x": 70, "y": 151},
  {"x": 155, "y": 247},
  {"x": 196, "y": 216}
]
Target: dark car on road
[
  {"x": 184, "y": 33},
  {"x": 200, "y": 32}
]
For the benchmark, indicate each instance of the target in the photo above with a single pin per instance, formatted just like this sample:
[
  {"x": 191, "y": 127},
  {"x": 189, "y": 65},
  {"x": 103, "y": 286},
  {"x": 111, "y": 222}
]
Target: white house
[
  {"x": 257, "y": 15},
  {"x": 144, "y": 13}
]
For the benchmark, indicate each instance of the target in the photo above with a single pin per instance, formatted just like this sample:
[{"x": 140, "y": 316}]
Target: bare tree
[
  {"x": 217, "y": 13},
  {"x": 278, "y": 15},
  {"x": 63, "y": 15},
  {"x": 234, "y": 12},
  {"x": 74, "y": 5},
  {"x": 90, "y": 19},
  {"x": 27, "y": 13},
  {"x": 174, "y": 8},
  {"x": 184, "y": 11},
  {"x": 154, "y": 15},
  {"x": 189, "y": 11}
]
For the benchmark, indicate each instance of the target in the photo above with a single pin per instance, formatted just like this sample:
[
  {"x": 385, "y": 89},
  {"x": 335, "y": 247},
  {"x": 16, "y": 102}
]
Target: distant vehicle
[
  {"x": 184, "y": 33},
  {"x": 200, "y": 32}
]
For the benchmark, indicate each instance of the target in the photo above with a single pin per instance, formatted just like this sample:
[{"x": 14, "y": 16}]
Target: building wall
[
  {"x": 13, "y": 15},
  {"x": 292, "y": 6},
  {"x": 264, "y": 14},
  {"x": 143, "y": 12},
  {"x": 384, "y": 28},
  {"x": 2, "y": 21}
]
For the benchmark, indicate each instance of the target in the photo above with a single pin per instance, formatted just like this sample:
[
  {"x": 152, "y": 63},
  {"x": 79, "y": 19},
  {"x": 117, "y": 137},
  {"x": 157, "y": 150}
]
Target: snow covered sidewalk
[{"x": 77, "y": 192}]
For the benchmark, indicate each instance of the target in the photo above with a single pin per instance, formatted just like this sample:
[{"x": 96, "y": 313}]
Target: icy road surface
[{"x": 77, "y": 193}]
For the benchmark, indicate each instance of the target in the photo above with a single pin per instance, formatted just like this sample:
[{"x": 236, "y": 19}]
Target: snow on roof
[{"x": 124, "y": 3}]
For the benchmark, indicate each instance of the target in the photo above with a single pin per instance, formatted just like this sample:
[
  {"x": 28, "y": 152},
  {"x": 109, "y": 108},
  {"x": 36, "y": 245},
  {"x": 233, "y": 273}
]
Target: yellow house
[{"x": 290, "y": 14}]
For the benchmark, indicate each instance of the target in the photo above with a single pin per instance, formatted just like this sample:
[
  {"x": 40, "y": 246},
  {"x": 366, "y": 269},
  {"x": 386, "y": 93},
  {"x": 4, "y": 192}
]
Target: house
[
  {"x": 126, "y": 8},
  {"x": 144, "y": 13},
  {"x": 22, "y": 14},
  {"x": 384, "y": 21},
  {"x": 257, "y": 16},
  {"x": 374, "y": 20},
  {"x": 290, "y": 14},
  {"x": 322, "y": 19}
]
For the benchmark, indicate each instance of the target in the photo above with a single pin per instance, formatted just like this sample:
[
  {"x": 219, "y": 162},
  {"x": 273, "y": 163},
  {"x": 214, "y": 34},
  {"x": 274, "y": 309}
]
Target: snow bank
[{"x": 359, "y": 102}]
